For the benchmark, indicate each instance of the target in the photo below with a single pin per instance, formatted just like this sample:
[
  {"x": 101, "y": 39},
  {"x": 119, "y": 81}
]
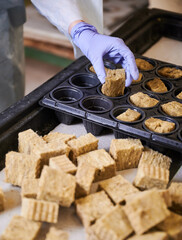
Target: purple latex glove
[{"x": 96, "y": 46}]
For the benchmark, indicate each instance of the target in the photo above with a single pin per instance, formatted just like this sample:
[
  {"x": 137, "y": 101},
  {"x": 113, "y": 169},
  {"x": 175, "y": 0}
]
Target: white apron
[{"x": 61, "y": 13}]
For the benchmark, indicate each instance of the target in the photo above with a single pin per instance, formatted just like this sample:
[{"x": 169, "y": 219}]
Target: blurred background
[{"x": 47, "y": 51}]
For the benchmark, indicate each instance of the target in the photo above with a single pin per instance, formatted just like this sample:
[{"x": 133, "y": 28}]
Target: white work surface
[{"x": 166, "y": 50}]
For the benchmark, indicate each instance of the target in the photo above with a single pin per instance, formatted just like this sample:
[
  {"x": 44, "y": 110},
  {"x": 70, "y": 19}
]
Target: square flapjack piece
[
  {"x": 56, "y": 186},
  {"x": 179, "y": 95},
  {"x": 81, "y": 145},
  {"x": 31, "y": 143},
  {"x": 28, "y": 140},
  {"x": 126, "y": 152},
  {"x": 170, "y": 72},
  {"x": 149, "y": 176},
  {"x": 143, "y": 64},
  {"x": 146, "y": 210},
  {"x": 153, "y": 170},
  {"x": 84, "y": 178},
  {"x": 102, "y": 161},
  {"x": 156, "y": 85},
  {"x": 175, "y": 190},
  {"x": 92, "y": 207},
  {"x": 30, "y": 187},
  {"x": 117, "y": 188},
  {"x": 173, "y": 108},
  {"x": 56, "y": 234},
  {"x": 143, "y": 100},
  {"x": 159, "y": 126},
  {"x": 21, "y": 228},
  {"x": 155, "y": 158},
  {"x": 172, "y": 225},
  {"x": 19, "y": 166},
  {"x": 151, "y": 236},
  {"x": 2, "y": 200},
  {"x": 39, "y": 210},
  {"x": 165, "y": 194},
  {"x": 112, "y": 225},
  {"x": 57, "y": 136},
  {"x": 64, "y": 163},
  {"x": 129, "y": 115},
  {"x": 114, "y": 83}
]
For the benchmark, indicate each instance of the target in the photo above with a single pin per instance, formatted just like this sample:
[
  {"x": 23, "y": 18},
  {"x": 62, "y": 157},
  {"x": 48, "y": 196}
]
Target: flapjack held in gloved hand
[{"x": 97, "y": 46}]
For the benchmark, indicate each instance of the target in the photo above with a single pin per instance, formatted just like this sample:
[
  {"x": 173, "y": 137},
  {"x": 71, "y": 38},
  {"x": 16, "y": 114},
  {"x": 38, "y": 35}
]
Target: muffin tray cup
[
  {"x": 168, "y": 65},
  {"x": 167, "y": 83},
  {"x": 175, "y": 93},
  {"x": 80, "y": 97},
  {"x": 151, "y": 61}
]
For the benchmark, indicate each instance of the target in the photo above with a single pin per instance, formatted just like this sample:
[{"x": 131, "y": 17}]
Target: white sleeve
[{"x": 61, "y": 13}]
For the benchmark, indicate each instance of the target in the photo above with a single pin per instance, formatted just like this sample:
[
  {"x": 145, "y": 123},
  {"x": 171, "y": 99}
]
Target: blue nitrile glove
[{"x": 96, "y": 46}]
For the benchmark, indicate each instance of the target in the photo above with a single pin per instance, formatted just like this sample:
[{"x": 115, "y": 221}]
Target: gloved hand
[{"x": 96, "y": 46}]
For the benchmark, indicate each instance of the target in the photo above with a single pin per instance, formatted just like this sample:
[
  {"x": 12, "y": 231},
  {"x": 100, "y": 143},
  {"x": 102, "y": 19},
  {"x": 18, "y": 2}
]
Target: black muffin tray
[{"x": 79, "y": 96}]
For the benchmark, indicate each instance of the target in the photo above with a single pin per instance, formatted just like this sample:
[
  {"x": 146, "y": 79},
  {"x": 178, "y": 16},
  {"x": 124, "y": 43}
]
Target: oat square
[
  {"x": 81, "y": 145},
  {"x": 39, "y": 210},
  {"x": 21, "y": 165},
  {"x": 114, "y": 85},
  {"x": 157, "y": 85},
  {"x": 153, "y": 170},
  {"x": 165, "y": 194},
  {"x": 143, "y": 100},
  {"x": 146, "y": 210},
  {"x": 159, "y": 126},
  {"x": 28, "y": 140},
  {"x": 56, "y": 234},
  {"x": 172, "y": 225},
  {"x": 92, "y": 207},
  {"x": 21, "y": 228},
  {"x": 118, "y": 188},
  {"x": 151, "y": 236},
  {"x": 179, "y": 95},
  {"x": 149, "y": 176},
  {"x": 112, "y": 225},
  {"x": 172, "y": 108},
  {"x": 155, "y": 158},
  {"x": 129, "y": 116},
  {"x": 2, "y": 200},
  {"x": 143, "y": 65},
  {"x": 102, "y": 161},
  {"x": 29, "y": 187},
  {"x": 84, "y": 178},
  {"x": 126, "y": 152},
  {"x": 63, "y": 162},
  {"x": 31, "y": 143},
  {"x": 170, "y": 72},
  {"x": 56, "y": 186},
  {"x": 175, "y": 190},
  {"x": 57, "y": 136}
]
